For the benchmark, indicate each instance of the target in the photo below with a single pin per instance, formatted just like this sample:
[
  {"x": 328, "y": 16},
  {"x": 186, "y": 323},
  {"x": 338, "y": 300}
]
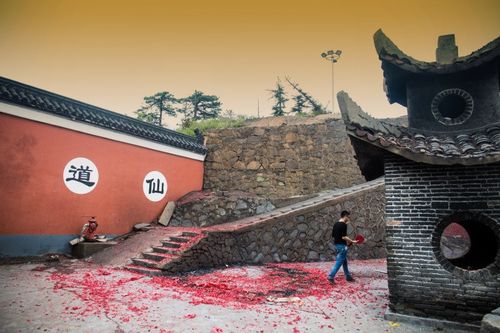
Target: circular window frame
[
  {"x": 475, "y": 275},
  {"x": 463, "y": 117}
]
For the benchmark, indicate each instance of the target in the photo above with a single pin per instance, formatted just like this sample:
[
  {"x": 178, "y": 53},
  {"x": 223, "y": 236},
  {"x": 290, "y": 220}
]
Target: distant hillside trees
[
  {"x": 194, "y": 107},
  {"x": 303, "y": 100}
]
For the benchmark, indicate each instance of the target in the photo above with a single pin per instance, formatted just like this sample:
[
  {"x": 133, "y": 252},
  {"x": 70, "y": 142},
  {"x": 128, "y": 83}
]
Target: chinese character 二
[
  {"x": 81, "y": 175},
  {"x": 158, "y": 187}
]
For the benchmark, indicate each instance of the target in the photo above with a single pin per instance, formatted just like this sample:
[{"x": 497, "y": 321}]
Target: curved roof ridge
[
  {"x": 385, "y": 46},
  {"x": 388, "y": 51},
  {"x": 353, "y": 114}
]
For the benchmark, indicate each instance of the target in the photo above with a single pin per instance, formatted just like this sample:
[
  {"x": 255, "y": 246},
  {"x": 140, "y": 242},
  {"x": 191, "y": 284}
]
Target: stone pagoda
[{"x": 442, "y": 176}]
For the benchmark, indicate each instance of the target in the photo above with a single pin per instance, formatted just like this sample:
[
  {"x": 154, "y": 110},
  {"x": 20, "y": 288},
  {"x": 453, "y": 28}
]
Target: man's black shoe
[
  {"x": 350, "y": 279},
  {"x": 332, "y": 281}
]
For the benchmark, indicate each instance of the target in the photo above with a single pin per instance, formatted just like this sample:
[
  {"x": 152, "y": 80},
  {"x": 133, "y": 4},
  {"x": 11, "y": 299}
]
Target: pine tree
[
  {"x": 300, "y": 104},
  {"x": 317, "y": 108},
  {"x": 155, "y": 106},
  {"x": 200, "y": 106},
  {"x": 278, "y": 95}
]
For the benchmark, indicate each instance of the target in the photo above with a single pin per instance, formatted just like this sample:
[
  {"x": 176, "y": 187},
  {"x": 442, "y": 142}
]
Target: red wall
[{"x": 34, "y": 199}]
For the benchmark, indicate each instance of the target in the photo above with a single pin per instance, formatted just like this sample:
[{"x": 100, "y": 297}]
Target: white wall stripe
[{"x": 46, "y": 118}]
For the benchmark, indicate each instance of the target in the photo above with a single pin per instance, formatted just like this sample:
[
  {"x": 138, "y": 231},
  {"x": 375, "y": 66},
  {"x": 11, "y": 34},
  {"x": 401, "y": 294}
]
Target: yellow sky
[{"x": 112, "y": 53}]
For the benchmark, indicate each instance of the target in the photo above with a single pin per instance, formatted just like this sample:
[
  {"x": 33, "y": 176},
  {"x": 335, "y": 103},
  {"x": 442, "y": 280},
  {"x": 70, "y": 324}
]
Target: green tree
[
  {"x": 155, "y": 106},
  {"x": 200, "y": 106},
  {"x": 280, "y": 99},
  {"x": 300, "y": 104},
  {"x": 317, "y": 108}
]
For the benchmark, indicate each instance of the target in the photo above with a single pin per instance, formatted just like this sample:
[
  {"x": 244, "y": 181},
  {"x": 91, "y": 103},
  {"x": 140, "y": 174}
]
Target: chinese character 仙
[{"x": 158, "y": 187}]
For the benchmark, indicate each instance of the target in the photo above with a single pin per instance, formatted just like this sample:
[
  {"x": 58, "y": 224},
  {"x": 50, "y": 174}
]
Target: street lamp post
[{"x": 333, "y": 57}]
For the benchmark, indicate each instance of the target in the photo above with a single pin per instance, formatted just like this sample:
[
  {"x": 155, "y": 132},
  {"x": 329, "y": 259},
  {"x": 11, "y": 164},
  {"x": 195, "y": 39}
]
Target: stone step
[
  {"x": 169, "y": 244},
  {"x": 144, "y": 270},
  {"x": 189, "y": 234},
  {"x": 178, "y": 239},
  {"x": 145, "y": 262},
  {"x": 158, "y": 256},
  {"x": 162, "y": 249}
]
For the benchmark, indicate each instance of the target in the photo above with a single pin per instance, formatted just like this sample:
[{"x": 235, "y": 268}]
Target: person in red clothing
[{"x": 88, "y": 231}]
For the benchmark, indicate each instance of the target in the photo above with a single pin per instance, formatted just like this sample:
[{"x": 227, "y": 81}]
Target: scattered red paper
[{"x": 129, "y": 296}]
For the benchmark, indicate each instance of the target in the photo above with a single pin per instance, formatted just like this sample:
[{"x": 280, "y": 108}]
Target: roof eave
[
  {"x": 368, "y": 130},
  {"x": 429, "y": 159}
]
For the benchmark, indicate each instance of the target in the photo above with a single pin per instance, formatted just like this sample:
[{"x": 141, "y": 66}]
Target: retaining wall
[
  {"x": 281, "y": 161},
  {"x": 299, "y": 236}
]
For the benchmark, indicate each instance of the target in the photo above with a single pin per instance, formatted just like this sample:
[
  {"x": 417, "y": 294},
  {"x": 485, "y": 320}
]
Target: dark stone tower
[{"x": 442, "y": 176}]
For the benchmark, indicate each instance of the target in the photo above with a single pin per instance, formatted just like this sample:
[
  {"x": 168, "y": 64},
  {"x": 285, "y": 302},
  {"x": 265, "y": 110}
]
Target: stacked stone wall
[
  {"x": 299, "y": 237},
  {"x": 281, "y": 161},
  {"x": 219, "y": 207},
  {"x": 421, "y": 281}
]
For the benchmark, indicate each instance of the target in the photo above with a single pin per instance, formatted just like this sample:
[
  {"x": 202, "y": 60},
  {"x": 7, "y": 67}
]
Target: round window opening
[
  {"x": 468, "y": 241},
  {"x": 452, "y": 106}
]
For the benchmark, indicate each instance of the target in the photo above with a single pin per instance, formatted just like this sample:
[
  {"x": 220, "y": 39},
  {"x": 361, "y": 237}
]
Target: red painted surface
[{"x": 35, "y": 199}]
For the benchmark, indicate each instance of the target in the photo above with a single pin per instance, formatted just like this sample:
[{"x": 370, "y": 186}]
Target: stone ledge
[
  {"x": 438, "y": 324},
  {"x": 85, "y": 249}
]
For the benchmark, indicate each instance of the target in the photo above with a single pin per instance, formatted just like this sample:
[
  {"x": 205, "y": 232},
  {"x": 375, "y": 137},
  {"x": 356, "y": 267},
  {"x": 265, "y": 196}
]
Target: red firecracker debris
[{"x": 127, "y": 296}]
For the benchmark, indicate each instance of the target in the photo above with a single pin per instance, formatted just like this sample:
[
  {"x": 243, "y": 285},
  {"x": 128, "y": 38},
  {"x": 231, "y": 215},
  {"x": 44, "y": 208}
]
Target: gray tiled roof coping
[{"x": 24, "y": 95}]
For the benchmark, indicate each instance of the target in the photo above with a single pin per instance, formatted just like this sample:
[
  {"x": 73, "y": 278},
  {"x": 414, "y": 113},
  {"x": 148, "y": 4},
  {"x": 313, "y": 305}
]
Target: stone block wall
[
  {"x": 302, "y": 236},
  {"x": 281, "y": 161},
  {"x": 419, "y": 197}
]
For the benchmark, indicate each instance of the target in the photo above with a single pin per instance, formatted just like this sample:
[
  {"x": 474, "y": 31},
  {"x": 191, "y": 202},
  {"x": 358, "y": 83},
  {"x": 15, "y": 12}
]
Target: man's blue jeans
[{"x": 341, "y": 260}]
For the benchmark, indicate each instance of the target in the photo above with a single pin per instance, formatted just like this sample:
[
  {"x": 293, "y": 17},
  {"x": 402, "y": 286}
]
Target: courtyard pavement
[{"x": 78, "y": 296}]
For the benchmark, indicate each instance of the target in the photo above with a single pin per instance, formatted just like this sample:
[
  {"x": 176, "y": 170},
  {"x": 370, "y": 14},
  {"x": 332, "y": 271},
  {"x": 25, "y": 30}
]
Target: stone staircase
[
  {"x": 151, "y": 262},
  {"x": 159, "y": 259}
]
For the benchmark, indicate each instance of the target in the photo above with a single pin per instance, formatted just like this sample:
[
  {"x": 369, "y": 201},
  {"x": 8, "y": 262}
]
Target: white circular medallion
[
  {"x": 80, "y": 175},
  {"x": 154, "y": 186}
]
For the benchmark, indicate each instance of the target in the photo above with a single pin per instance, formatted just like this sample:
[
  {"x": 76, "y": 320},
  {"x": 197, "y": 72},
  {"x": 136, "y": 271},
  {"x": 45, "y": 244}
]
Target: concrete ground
[{"x": 78, "y": 296}]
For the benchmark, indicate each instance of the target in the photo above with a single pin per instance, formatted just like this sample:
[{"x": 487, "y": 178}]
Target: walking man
[{"x": 342, "y": 242}]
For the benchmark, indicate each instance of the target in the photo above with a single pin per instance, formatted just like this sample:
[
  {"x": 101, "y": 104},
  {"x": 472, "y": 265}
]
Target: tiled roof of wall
[
  {"x": 21, "y": 94},
  {"x": 480, "y": 146}
]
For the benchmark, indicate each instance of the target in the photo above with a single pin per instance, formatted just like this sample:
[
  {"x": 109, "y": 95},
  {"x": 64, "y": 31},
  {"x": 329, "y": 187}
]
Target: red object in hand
[{"x": 360, "y": 239}]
